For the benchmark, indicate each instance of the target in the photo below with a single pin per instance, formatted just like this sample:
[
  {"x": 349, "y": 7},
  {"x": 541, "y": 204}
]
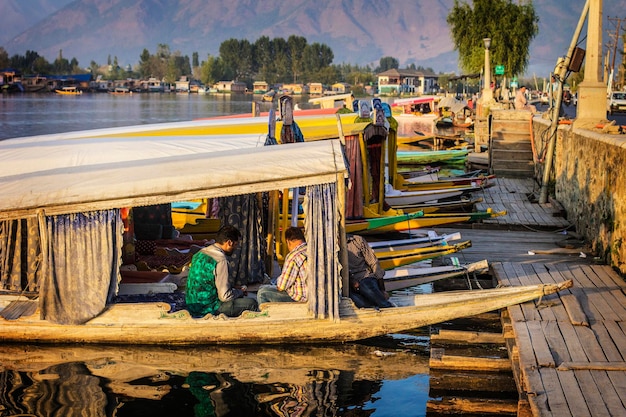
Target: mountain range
[{"x": 358, "y": 31}]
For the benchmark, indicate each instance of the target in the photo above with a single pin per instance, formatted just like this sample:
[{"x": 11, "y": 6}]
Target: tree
[
  {"x": 212, "y": 70},
  {"x": 296, "y": 44},
  {"x": 4, "y": 58},
  {"x": 387, "y": 63},
  {"x": 511, "y": 27}
]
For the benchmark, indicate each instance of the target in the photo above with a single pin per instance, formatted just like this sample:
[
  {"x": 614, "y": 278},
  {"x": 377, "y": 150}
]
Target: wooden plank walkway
[
  {"x": 516, "y": 196},
  {"x": 569, "y": 349}
]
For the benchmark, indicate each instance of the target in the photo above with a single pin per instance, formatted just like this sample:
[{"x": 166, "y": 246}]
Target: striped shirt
[{"x": 292, "y": 278}]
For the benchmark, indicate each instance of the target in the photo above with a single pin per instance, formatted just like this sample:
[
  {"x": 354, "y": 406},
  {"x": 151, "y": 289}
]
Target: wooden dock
[{"x": 568, "y": 350}]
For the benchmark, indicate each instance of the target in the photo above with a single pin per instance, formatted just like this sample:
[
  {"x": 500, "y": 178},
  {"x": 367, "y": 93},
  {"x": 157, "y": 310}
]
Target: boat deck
[{"x": 568, "y": 350}]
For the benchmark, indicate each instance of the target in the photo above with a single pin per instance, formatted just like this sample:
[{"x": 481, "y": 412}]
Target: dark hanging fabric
[
  {"x": 244, "y": 212},
  {"x": 20, "y": 255},
  {"x": 83, "y": 258},
  {"x": 374, "y": 137},
  {"x": 153, "y": 222},
  {"x": 354, "y": 193}
]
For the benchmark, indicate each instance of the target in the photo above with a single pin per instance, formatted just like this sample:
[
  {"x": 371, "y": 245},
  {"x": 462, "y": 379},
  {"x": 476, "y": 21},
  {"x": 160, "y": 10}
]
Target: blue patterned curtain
[
  {"x": 323, "y": 274},
  {"x": 244, "y": 212},
  {"x": 83, "y": 254},
  {"x": 20, "y": 255}
]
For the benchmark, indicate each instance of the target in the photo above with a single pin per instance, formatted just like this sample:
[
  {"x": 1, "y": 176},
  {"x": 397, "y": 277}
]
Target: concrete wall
[{"x": 589, "y": 180}]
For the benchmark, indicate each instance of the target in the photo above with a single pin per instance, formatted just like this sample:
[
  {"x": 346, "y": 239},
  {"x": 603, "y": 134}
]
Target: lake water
[
  {"x": 386, "y": 376},
  {"x": 37, "y": 114}
]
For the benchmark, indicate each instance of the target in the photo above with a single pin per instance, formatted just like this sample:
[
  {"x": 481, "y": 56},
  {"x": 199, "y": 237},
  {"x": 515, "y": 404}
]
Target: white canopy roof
[{"x": 72, "y": 174}]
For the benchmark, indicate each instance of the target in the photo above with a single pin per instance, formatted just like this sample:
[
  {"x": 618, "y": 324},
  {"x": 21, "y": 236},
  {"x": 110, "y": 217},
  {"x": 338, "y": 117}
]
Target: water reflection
[{"x": 347, "y": 380}]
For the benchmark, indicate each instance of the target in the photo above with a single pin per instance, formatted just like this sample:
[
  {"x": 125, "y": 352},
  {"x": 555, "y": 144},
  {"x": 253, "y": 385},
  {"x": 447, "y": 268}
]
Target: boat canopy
[{"x": 77, "y": 175}]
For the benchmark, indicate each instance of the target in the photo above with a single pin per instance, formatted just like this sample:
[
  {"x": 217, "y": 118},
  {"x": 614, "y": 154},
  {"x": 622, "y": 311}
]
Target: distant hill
[
  {"x": 358, "y": 31},
  {"x": 17, "y": 16}
]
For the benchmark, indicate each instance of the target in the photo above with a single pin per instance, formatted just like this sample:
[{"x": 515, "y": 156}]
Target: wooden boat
[
  {"x": 395, "y": 258},
  {"x": 482, "y": 182},
  {"x": 430, "y": 239},
  {"x": 153, "y": 324},
  {"x": 429, "y": 157},
  {"x": 457, "y": 204},
  {"x": 44, "y": 182},
  {"x": 396, "y": 198},
  {"x": 399, "y": 278},
  {"x": 425, "y": 220},
  {"x": 69, "y": 91},
  {"x": 121, "y": 91}
]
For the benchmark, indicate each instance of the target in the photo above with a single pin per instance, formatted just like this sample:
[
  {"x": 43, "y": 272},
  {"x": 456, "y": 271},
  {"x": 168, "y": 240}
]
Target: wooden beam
[
  {"x": 472, "y": 405},
  {"x": 438, "y": 360},
  {"x": 460, "y": 336}
]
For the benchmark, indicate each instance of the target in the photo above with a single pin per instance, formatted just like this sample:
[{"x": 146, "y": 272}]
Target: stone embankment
[{"x": 589, "y": 180}]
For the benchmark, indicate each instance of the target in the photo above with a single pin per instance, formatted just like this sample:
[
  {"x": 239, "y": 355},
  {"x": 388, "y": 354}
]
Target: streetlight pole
[{"x": 487, "y": 91}]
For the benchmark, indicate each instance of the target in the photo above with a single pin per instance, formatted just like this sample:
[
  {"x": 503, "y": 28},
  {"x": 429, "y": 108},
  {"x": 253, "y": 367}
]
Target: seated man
[
  {"x": 210, "y": 288},
  {"x": 291, "y": 284},
  {"x": 521, "y": 103},
  {"x": 367, "y": 288}
]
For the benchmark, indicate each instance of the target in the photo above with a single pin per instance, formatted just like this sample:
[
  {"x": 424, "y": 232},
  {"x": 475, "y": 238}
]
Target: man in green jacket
[{"x": 210, "y": 288}]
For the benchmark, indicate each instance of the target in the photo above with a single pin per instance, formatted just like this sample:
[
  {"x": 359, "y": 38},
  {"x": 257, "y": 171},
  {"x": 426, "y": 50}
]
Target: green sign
[{"x": 499, "y": 69}]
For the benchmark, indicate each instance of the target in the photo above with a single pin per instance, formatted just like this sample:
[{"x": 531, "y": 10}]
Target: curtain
[
  {"x": 321, "y": 231},
  {"x": 20, "y": 255},
  {"x": 244, "y": 212},
  {"x": 83, "y": 256},
  {"x": 354, "y": 193},
  {"x": 374, "y": 137}
]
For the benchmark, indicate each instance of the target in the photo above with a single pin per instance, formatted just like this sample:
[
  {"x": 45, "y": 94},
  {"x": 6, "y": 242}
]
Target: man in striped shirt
[{"x": 291, "y": 283}]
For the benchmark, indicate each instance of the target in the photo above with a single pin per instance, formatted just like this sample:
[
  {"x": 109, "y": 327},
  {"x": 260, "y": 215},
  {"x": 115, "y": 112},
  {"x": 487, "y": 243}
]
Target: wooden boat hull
[
  {"x": 394, "y": 259},
  {"x": 407, "y": 198},
  {"x": 430, "y": 220},
  {"x": 400, "y": 278},
  {"x": 429, "y": 157},
  {"x": 153, "y": 324}
]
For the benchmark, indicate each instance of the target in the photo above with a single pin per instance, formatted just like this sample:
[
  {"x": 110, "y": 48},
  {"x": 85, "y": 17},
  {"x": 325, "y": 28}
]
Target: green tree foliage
[
  {"x": 387, "y": 63},
  {"x": 164, "y": 65},
  {"x": 510, "y": 25},
  {"x": 211, "y": 70},
  {"x": 297, "y": 45},
  {"x": 4, "y": 58}
]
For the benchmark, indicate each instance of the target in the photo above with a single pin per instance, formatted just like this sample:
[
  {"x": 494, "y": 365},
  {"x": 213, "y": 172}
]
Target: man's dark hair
[
  {"x": 294, "y": 233},
  {"x": 228, "y": 233}
]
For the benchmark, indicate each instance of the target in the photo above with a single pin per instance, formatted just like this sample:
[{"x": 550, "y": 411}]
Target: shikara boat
[
  {"x": 68, "y": 91},
  {"x": 482, "y": 181},
  {"x": 404, "y": 277},
  {"x": 451, "y": 156},
  {"x": 72, "y": 193},
  {"x": 395, "y": 258},
  {"x": 397, "y": 198}
]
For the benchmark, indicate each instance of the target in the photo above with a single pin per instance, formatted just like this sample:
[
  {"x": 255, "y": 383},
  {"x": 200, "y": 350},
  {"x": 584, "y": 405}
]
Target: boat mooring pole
[{"x": 560, "y": 74}]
